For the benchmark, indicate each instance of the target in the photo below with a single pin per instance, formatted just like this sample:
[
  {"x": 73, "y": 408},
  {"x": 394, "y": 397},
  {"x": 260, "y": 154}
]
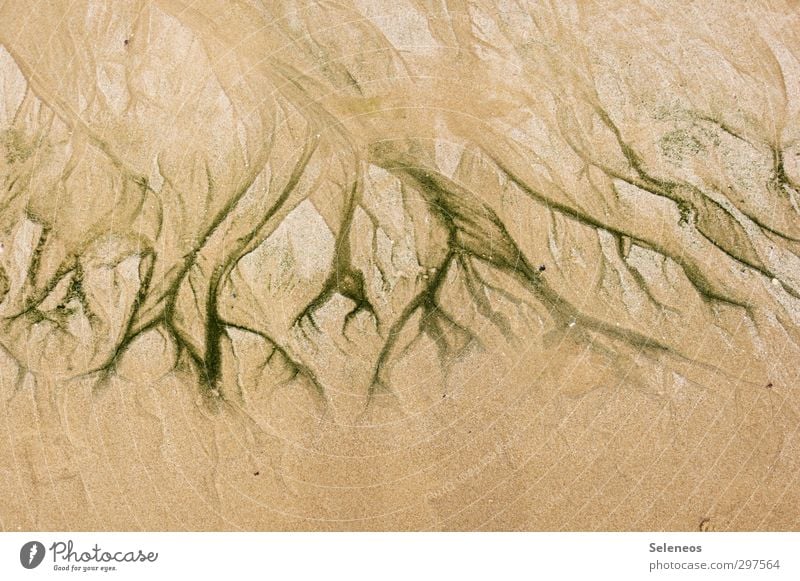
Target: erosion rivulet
[{"x": 414, "y": 265}]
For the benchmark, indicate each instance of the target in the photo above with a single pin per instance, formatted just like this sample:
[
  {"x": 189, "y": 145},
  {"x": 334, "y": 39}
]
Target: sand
[{"x": 414, "y": 265}]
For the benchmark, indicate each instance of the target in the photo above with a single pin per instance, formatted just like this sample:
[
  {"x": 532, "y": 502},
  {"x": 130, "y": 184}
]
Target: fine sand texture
[{"x": 399, "y": 265}]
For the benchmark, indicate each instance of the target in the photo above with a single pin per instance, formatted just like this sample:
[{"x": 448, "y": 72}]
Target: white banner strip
[{"x": 387, "y": 556}]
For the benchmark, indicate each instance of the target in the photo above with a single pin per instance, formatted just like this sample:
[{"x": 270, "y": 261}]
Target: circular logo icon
[{"x": 31, "y": 554}]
